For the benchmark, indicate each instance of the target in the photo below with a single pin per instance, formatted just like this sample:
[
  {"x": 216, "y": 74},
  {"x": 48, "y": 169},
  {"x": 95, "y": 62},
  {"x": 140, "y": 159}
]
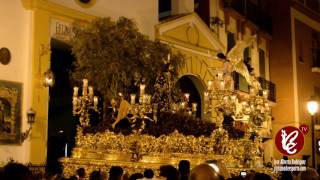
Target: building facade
[
  {"x": 294, "y": 54},
  {"x": 198, "y": 29}
]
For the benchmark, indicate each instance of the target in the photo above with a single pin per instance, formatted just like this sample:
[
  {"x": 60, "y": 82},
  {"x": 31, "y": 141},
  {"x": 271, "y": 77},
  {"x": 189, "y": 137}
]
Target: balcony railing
[
  {"x": 241, "y": 84},
  {"x": 270, "y": 86},
  {"x": 253, "y": 12},
  {"x": 312, "y": 5}
]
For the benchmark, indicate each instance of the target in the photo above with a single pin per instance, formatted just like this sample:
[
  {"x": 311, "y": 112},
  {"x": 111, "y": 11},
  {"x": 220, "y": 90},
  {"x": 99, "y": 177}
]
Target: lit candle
[
  {"x": 244, "y": 104},
  {"x": 266, "y": 106},
  {"x": 84, "y": 87},
  {"x": 169, "y": 57},
  {"x": 265, "y": 93},
  {"x": 234, "y": 98},
  {"x": 183, "y": 104},
  {"x": 142, "y": 88},
  {"x": 226, "y": 99},
  {"x": 90, "y": 90},
  {"x": 220, "y": 75},
  {"x": 252, "y": 107},
  {"x": 144, "y": 99},
  {"x": 75, "y": 91},
  {"x": 74, "y": 101},
  {"x": 133, "y": 98},
  {"x": 206, "y": 96},
  {"x": 66, "y": 150},
  {"x": 210, "y": 85},
  {"x": 85, "y": 82},
  {"x": 252, "y": 91},
  {"x": 95, "y": 100},
  {"x": 194, "y": 107},
  {"x": 187, "y": 95},
  {"x": 222, "y": 85}
]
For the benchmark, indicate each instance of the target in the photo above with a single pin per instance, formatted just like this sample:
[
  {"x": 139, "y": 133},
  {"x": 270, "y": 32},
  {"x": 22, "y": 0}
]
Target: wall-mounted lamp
[
  {"x": 216, "y": 21},
  {"x": 48, "y": 78},
  {"x": 30, "y": 119},
  {"x": 313, "y": 106}
]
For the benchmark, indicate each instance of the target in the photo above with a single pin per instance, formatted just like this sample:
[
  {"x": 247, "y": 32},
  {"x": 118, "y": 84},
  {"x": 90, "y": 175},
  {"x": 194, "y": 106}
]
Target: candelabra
[
  {"x": 184, "y": 106},
  {"x": 256, "y": 107},
  {"x": 144, "y": 106},
  {"x": 220, "y": 97},
  {"x": 82, "y": 104}
]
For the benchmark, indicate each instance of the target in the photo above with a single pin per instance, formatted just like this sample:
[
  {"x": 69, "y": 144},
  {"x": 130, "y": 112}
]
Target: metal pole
[{"x": 313, "y": 144}]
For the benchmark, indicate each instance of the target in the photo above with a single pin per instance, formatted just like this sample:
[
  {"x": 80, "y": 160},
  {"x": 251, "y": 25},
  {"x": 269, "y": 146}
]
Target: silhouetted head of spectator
[
  {"x": 261, "y": 176},
  {"x": 136, "y": 176},
  {"x": 236, "y": 178},
  {"x": 148, "y": 173},
  {"x": 81, "y": 172},
  {"x": 1, "y": 173},
  {"x": 16, "y": 171},
  {"x": 204, "y": 172},
  {"x": 309, "y": 174},
  {"x": 115, "y": 173},
  {"x": 286, "y": 175},
  {"x": 73, "y": 178},
  {"x": 184, "y": 167},
  {"x": 168, "y": 171},
  {"x": 95, "y": 175}
]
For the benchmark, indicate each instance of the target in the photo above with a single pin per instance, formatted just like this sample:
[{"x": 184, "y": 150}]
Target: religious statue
[
  {"x": 227, "y": 70},
  {"x": 4, "y": 126},
  {"x": 235, "y": 63},
  {"x": 122, "y": 113}
]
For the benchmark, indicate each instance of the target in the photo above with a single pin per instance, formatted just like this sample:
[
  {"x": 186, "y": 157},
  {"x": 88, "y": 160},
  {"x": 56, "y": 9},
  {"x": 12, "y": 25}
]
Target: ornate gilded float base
[{"x": 136, "y": 152}]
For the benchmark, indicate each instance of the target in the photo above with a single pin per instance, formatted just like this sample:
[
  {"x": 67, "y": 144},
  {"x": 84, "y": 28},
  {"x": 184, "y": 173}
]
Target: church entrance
[{"x": 61, "y": 123}]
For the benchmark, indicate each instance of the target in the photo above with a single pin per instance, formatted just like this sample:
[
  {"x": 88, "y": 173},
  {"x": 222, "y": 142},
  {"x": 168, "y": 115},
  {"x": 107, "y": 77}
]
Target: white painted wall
[
  {"x": 144, "y": 12},
  {"x": 15, "y": 34}
]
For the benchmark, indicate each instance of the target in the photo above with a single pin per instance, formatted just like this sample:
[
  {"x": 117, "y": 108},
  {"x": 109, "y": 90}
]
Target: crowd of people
[{"x": 205, "y": 171}]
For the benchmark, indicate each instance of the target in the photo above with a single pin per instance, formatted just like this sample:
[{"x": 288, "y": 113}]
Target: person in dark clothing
[
  {"x": 136, "y": 176},
  {"x": 148, "y": 173},
  {"x": 115, "y": 173},
  {"x": 184, "y": 169},
  {"x": 95, "y": 175},
  {"x": 81, "y": 173},
  {"x": 16, "y": 171},
  {"x": 168, "y": 171}
]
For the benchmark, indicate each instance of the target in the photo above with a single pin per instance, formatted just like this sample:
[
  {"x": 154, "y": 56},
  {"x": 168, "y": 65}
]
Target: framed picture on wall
[{"x": 10, "y": 112}]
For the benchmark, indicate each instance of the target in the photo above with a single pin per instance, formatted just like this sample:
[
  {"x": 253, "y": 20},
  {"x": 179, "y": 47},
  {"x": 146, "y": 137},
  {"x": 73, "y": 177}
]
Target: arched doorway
[
  {"x": 195, "y": 87},
  {"x": 61, "y": 123}
]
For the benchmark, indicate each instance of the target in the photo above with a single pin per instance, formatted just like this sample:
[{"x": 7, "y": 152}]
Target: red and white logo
[{"x": 289, "y": 140}]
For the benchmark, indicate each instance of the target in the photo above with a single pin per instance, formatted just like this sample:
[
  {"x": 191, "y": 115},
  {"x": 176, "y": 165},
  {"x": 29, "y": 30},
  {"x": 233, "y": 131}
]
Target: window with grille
[
  {"x": 262, "y": 63},
  {"x": 315, "y": 49}
]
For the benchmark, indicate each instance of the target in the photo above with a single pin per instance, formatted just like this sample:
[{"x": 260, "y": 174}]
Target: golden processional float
[{"x": 137, "y": 151}]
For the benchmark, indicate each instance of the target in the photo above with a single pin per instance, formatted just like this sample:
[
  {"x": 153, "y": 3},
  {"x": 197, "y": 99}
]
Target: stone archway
[{"x": 192, "y": 84}]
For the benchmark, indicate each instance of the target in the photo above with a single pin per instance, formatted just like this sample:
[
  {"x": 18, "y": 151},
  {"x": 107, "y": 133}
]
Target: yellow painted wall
[
  {"x": 144, "y": 12},
  {"x": 15, "y": 33}
]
